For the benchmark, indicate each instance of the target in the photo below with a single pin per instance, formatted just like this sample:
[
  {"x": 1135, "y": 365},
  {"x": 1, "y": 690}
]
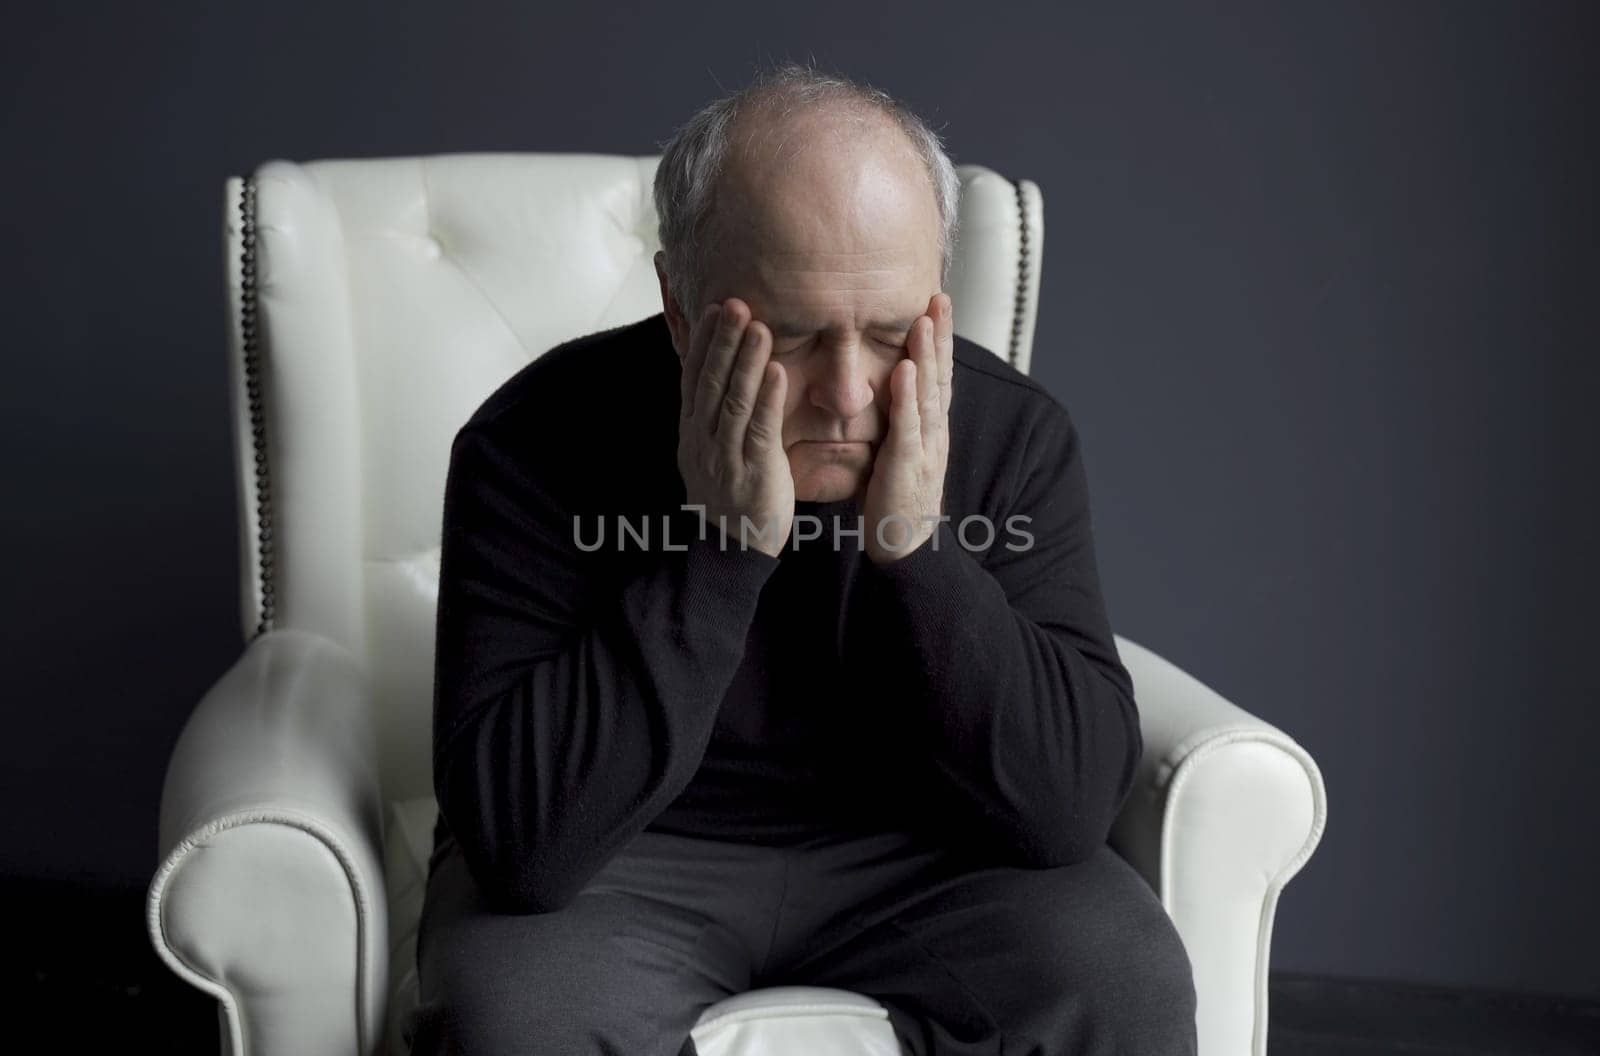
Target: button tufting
[{"x": 432, "y": 248}]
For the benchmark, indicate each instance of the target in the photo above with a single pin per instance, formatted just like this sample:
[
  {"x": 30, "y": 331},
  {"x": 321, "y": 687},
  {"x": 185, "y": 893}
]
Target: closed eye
[{"x": 890, "y": 344}]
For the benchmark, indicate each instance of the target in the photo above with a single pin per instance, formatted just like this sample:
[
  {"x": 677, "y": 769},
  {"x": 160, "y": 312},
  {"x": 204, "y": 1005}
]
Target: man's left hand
[{"x": 905, "y": 493}]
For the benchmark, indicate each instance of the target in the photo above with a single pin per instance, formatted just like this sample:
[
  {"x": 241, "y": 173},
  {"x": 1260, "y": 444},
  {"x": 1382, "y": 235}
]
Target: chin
[
  {"x": 830, "y": 483},
  {"x": 823, "y": 494}
]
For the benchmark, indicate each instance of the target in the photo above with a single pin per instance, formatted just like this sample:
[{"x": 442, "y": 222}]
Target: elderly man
[{"x": 771, "y": 648}]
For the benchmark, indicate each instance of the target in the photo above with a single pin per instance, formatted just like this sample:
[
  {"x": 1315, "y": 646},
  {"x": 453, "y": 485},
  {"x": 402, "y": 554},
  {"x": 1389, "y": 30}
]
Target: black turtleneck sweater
[{"x": 585, "y": 692}]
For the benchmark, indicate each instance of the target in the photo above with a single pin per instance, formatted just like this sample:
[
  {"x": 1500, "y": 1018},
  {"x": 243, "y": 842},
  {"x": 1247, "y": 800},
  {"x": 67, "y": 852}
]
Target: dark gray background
[{"x": 1319, "y": 288}]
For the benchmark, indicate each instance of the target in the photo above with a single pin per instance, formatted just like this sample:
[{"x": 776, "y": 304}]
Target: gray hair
[{"x": 693, "y": 159}]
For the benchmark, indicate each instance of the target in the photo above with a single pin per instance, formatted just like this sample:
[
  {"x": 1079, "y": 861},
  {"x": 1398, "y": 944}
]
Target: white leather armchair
[{"x": 374, "y": 304}]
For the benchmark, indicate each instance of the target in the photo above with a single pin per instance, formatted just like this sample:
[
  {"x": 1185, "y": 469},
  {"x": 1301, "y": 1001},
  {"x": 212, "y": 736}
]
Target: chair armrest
[
  {"x": 1225, "y": 809},
  {"x": 270, "y": 892}
]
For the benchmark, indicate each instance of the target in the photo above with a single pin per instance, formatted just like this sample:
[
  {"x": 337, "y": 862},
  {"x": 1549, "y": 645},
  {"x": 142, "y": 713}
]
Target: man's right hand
[{"x": 730, "y": 429}]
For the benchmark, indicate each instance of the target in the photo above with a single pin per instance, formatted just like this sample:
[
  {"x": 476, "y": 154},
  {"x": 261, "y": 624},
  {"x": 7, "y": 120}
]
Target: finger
[
  {"x": 765, "y": 432},
  {"x": 699, "y": 338},
  {"x": 719, "y": 362},
  {"x": 740, "y": 399},
  {"x": 905, "y": 431},
  {"x": 926, "y": 357},
  {"x": 945, "y": 328}
]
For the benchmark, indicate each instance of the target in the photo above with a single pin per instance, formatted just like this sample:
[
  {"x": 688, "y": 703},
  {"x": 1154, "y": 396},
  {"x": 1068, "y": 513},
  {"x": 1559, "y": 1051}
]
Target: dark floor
[
  {"x": 81, "y": 963},
  {"x": 1328, "y": 1016}
]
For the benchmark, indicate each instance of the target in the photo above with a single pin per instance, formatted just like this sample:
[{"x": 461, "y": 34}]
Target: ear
[{"x": 677, "y": 323}]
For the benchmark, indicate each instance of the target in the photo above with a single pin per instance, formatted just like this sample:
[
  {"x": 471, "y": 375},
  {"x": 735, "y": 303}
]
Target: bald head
[{"x": 793, "y": 110}]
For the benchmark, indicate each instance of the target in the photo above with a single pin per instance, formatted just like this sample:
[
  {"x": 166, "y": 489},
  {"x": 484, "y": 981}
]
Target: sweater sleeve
[
  {"x": 1003, "y": 665},
  {"x": 565, "y": 718}
]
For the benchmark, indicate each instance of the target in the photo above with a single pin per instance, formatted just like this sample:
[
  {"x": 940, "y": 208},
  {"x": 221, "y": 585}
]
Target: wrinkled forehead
[{"x": 868, "y": 238}]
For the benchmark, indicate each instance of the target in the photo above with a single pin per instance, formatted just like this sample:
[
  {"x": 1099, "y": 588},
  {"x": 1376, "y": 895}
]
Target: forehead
[
  {"x": 801, "y": 294},
  {"x": 827, "y": 292}
]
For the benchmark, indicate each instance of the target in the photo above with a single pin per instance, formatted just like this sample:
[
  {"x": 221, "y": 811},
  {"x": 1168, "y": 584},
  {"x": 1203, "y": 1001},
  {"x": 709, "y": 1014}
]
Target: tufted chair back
[{"x": 375, "y": 304}]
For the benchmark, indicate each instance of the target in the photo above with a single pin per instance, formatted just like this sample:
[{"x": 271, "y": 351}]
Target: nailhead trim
[
  {"x": 258, "y": 427},
  {"x": 1021, "y": 304}
]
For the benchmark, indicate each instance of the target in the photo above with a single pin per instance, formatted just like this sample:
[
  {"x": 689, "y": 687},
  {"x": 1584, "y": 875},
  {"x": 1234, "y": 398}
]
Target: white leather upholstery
[
  {"x": 1225, "y": 810},
  {"x": 375, "y": 303},
  {"x": 270, "y": 893}
]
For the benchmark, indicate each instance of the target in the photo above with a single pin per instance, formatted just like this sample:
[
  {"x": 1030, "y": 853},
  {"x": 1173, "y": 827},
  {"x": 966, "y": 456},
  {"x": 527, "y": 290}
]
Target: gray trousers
[{"x": 1080, "y": 960}]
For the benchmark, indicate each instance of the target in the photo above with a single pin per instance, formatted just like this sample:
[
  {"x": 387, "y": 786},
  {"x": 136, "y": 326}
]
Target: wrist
[{"x": 892, "y": 548}]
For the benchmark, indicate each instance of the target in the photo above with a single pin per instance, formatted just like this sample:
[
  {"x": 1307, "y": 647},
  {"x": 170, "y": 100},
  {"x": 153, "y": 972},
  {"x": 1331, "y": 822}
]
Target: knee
[
  {"x": 1135, "y": 994},
  {"x": 466, "y": 1010},
  {"x": 1151, "y": 1007},
  {"x": 1117, "y": 971},
  {"x": 580, "y": 980}
]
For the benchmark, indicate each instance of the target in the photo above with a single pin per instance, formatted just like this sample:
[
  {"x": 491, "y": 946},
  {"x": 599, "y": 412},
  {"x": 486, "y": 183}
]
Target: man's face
[{"x": 836, "y": 250}]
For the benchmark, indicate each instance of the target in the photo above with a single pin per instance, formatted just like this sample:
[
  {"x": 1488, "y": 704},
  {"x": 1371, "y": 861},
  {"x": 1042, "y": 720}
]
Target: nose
[{"x": 842, "y": 385}]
